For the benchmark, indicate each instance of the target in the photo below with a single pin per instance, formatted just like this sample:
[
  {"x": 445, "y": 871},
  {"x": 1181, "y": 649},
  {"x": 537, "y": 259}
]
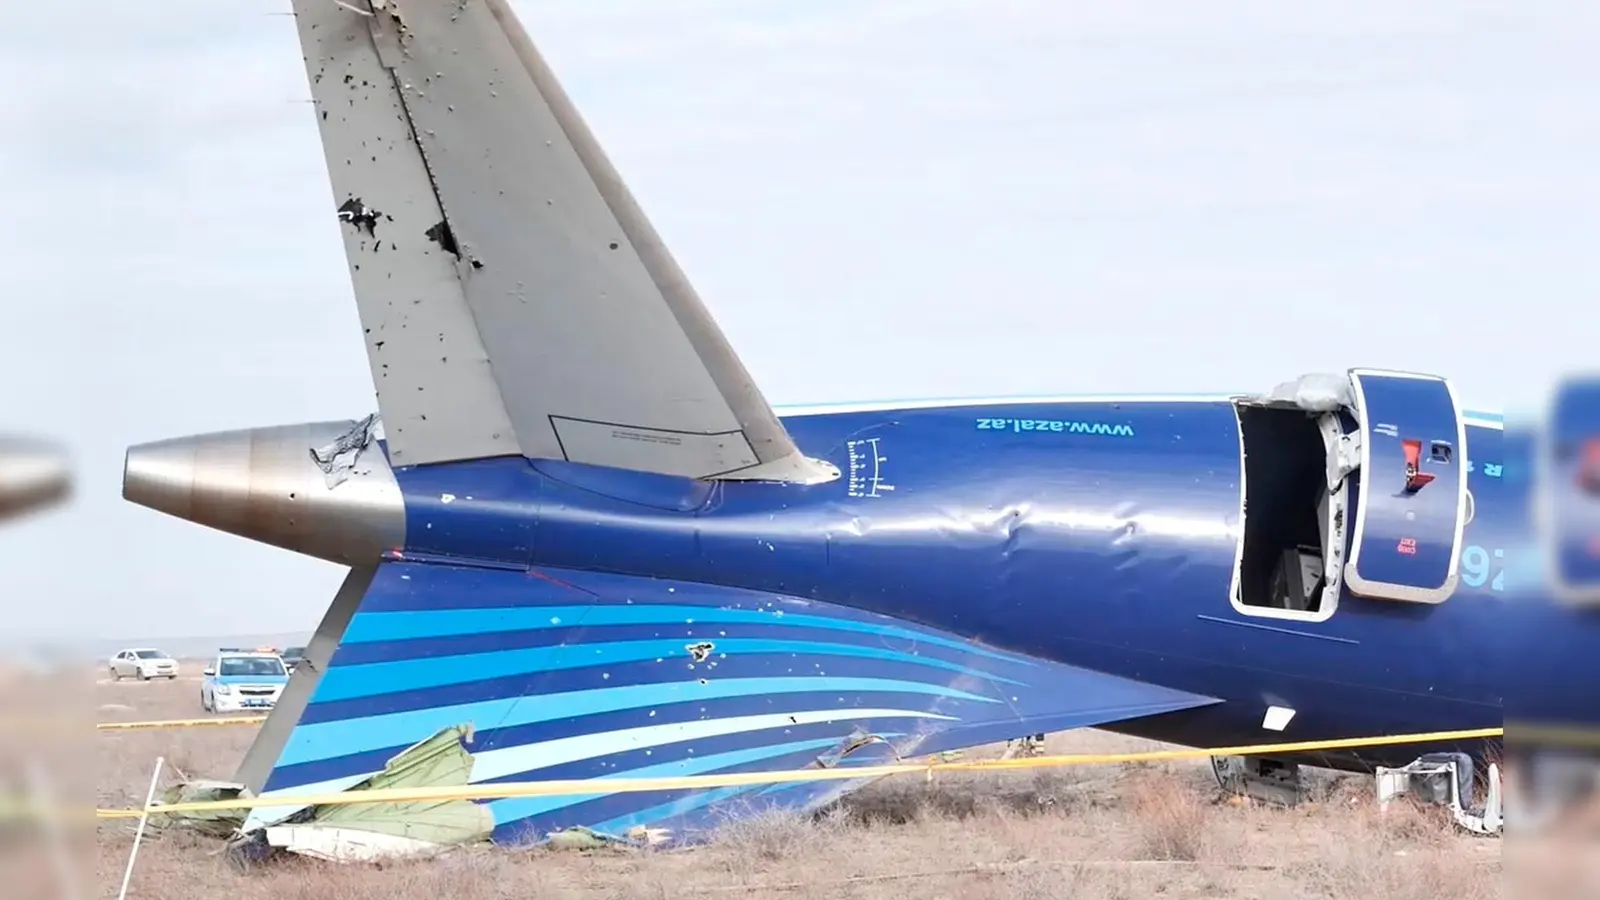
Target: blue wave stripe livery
[
  {"x": 321, "y": 740},
  {"x": 626, "y": 753},
  {"x": 555, "y": 708},
  {"x": 577, "y": 751},
  {"x": 500, "y": 641},
  {"x": 696, "y": 804},
  {"x": 700, "y": 811},
  {"x": 619, "y": 825},
  {"x": 373, "y": 679},
  {"x": 680, "y": 814},
  {"x": 870, "y": 710},
  {"x": 568, "y": 681},
  {"x": 412, "y": 624},
  {"x": 684, "y": 813},
  {"x": 510, "y": 810}
]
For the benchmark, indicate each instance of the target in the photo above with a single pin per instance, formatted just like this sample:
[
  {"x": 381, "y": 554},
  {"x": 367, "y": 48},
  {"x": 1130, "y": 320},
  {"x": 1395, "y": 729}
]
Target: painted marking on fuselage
[
  {"x": 1056, "y": 426},
  {"x": 1478, "y": 566},
  {"x": 1276, "y": 629},
  {"x": 866, "y": 468}
]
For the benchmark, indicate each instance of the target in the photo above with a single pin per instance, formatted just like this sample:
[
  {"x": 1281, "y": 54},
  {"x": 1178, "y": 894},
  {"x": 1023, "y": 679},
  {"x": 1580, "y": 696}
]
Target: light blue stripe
[
  {"x": 512, "y": 809},
  {"x": 324, "y": 740},
  {"x": 370, "y": 679},
  {"x": 619, "y": 826},
  {"x": 401, "y": 625}
]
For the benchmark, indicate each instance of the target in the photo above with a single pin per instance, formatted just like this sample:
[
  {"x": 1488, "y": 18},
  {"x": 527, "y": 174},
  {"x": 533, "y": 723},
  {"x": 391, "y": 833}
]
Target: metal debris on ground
[{"x": 380, "y": 831}]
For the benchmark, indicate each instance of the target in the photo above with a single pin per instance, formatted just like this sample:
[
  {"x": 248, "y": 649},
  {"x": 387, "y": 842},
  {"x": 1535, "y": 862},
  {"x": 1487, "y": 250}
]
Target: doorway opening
[{"x": 1285, "y": 511}]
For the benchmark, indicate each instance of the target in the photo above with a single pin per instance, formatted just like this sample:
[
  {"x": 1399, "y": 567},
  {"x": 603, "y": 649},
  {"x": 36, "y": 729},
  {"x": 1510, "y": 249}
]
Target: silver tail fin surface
[{"x": 514, "y": 298}]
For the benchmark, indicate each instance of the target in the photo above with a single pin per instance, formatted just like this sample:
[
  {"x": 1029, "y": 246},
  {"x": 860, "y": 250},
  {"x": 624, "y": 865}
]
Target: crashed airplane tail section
[
  {"x": 563, "y": 675},
  {"x": 514, "y": 298}
]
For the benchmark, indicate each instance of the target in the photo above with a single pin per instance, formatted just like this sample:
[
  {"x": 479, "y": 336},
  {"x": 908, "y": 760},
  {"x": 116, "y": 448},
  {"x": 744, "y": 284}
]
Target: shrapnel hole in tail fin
[{"x": 514, "y": 297}]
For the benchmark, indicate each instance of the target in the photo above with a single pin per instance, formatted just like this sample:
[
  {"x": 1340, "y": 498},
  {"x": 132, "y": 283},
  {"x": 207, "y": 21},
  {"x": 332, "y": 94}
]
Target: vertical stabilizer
[{"x": 514, "y": 297}]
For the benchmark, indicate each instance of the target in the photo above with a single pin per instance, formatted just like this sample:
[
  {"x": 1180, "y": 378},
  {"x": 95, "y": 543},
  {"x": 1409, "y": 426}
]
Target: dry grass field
[{"x": 1130, "y": 831}]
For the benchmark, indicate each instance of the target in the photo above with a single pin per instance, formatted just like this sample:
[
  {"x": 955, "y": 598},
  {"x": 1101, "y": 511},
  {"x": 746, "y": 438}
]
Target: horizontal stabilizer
[
  {"x": 577, "y": 675},
  {"x": 515, "y": 299}
]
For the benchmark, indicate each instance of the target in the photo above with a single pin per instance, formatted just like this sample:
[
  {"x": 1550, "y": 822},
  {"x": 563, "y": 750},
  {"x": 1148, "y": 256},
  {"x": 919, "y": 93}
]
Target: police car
[{"x": 240, "y": 680}]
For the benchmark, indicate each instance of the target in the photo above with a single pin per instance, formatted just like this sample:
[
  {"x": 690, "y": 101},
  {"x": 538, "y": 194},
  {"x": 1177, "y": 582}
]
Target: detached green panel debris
[
  {"x": 218, "y": 823},
  {"x": 439, "y": 761}
]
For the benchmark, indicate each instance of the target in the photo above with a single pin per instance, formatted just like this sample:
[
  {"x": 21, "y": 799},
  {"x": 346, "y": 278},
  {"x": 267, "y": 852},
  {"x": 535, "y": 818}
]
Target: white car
[
  {"x": 143, "y": 663},
  {"x": 243, "y": 680}
]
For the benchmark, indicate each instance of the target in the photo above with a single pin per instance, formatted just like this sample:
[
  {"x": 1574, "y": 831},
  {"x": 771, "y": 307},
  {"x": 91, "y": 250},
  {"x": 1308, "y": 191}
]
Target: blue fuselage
[{"x": 1100, "y": 534}]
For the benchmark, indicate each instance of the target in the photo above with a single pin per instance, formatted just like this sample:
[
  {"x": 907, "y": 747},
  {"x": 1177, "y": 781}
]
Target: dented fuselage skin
[{"x": 1101, "y": 534}]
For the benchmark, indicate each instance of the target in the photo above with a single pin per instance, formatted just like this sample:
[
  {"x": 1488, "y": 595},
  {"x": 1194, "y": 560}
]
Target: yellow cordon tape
[
  {"x": 178, "y": 723},
  {"x": 603, "y": 786}
]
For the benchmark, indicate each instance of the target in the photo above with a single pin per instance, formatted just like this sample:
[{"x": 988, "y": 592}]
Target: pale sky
[{"x": 877, "y": 199}]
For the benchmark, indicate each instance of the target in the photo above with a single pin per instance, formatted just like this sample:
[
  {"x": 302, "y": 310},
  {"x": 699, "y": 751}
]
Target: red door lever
[{"x": 1416, "y": 479}]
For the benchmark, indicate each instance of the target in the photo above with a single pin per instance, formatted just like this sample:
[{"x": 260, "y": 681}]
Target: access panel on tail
[
  {"x": 515, "y": 300},
  {"x": 579, "y": 675}
]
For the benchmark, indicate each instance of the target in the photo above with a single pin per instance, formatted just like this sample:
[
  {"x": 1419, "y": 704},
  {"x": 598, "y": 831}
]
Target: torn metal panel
[
  {"x": 439, "y": 761},
  {"x": 349, "y": 845},
  {"x": 435, "y": 390},
  {"x": 363, "y": 832},
  {"x": 580, "y": 838},
  {"x": 857, "y": 739},
  {"x": 1447, "y": 779},
  {"x": 442, "y": 235},
  {"x": 363, "y": 217},
  {"x": 217, "y": 823},
  {"x": 338, "y": 458},
  {"x": 1316, "y": 392}
]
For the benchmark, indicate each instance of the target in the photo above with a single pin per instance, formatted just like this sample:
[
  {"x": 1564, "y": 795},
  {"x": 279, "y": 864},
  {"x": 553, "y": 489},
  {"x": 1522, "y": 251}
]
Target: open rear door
[{"x": 1406, "y": 544}]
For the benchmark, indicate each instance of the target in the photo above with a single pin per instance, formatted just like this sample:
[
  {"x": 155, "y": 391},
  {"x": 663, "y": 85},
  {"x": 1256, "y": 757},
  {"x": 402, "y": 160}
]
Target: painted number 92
[{"x": 1479, "y": 566}]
